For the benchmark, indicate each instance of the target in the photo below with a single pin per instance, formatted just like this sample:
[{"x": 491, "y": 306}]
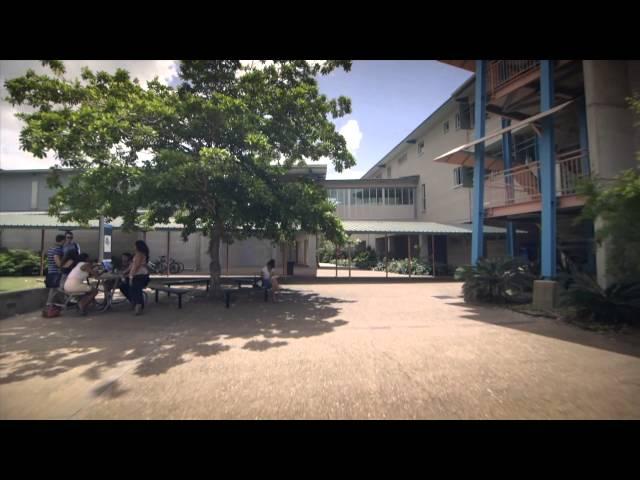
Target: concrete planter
[{"x": 22, "y": 301}]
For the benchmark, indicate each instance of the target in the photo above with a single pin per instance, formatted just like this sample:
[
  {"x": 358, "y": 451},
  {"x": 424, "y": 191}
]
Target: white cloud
[
  {"x": 352, "y": 134},
  {"x": 11, "y": 157}
]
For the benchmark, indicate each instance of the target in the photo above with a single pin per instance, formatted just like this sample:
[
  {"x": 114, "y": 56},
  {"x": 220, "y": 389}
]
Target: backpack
[{"x": 51, "y": 311}]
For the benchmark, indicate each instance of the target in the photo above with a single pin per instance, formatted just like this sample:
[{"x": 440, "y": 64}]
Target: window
[
  {"x": 458, "y": 121},
  {"x": 34, "y": 194},
  {"x": 365, "y": 196},
  {"x": 379, "y": 195},
  {"x": 463, "y": 177},
  {"x": 420, "y": 148},
  {"x": 390, "y": 196},
  {"x": 424, "y": 197},
  {"x": 445, "y": 126},
  {"x": 457, "y": 176}
]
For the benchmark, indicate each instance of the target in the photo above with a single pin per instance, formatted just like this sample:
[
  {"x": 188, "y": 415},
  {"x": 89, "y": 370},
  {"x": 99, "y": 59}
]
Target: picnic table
[
  {"x": 109, "y": 282},
  {"x": 239, "y": 281},
  {"x": 166, "y": 285}
]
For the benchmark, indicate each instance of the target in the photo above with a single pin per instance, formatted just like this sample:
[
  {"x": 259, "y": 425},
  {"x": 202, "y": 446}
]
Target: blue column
[
  {"x": 584, "y": 137},
  {"x": 507, "y": 151},
  {"x": 547, "y": 174},
  {"x": 477, "y": 235}
]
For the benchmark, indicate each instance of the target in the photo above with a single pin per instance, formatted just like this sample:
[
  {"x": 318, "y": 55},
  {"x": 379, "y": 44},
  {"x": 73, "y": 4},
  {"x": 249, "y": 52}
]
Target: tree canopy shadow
[{"x": 163, "y": 338}]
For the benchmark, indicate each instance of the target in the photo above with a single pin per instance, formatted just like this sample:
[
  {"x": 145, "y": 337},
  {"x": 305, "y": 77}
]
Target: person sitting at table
[
  {"x": 76, "y": 282},
  {"x": 138, "y": 276},
  {"x": 69, "y": 261},
  {"x": 125, "y": 266},
  {"x": 268, "y": 280}
]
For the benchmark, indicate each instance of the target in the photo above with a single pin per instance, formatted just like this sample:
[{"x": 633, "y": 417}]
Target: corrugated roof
[
  {"x": 384, "y": 226},
  {"x": 43, "y": 220}
]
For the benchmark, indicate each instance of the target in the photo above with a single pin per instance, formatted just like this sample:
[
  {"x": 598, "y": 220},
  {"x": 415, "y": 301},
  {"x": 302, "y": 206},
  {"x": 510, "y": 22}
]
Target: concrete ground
[{"x": 360, "y": 350}]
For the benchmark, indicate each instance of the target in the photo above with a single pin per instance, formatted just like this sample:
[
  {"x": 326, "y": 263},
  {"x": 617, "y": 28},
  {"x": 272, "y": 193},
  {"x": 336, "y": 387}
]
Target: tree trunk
[{"x": 214, "y": 254}]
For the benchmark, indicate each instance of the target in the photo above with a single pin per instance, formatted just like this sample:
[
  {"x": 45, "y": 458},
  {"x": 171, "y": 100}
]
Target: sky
[{"x": 389, "y": 98}]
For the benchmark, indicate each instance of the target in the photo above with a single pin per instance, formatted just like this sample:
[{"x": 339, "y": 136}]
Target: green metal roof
[
  {"x": 384, "y": 226},
  {"x": 43, "y": 220}
]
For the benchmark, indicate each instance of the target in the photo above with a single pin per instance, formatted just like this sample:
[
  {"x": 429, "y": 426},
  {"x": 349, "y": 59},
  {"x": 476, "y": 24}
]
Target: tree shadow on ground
[
  {"x": 547, "y": 327},
  {"x": 164, "y": 337}
]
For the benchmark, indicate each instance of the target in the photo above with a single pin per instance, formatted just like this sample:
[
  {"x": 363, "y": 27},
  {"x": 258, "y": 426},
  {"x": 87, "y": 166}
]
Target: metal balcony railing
[
  {"x": 521, "y": 184},
  {"x": 503, "y": 72}
]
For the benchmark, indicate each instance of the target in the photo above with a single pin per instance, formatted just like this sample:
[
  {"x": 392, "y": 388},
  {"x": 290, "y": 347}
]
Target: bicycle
[{"x": 160, "y": 266}]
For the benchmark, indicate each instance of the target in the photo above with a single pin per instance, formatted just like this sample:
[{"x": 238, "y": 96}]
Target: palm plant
[
  {"x": 497, "y": 280},
  {"x": 618, "y": 303}
]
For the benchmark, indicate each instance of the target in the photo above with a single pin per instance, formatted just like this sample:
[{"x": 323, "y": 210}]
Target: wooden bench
[
  {"x": 186, "y": 281},
  {"x": 239, "y": 281},
  {"x": 176, "y": 291}
]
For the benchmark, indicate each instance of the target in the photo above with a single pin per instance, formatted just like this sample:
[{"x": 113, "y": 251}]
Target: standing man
[
  {"x": 70, "y": 243},
  {"x": 54, "y": 262}
]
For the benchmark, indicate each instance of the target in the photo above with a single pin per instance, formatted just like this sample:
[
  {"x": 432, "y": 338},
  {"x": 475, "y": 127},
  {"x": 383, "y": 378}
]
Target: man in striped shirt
[{"x": 54, "y": 261}]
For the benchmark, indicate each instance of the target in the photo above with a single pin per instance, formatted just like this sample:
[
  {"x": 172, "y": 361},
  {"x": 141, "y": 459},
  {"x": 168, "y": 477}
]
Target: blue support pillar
[
  {"x": 507, "y": 152},
  {"x": 547, "y": 174},
  {"x": 477, "y": 235},
  {"x": 584, "y": 137}
]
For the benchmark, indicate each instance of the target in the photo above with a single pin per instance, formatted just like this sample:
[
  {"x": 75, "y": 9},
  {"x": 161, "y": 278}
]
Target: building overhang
[
  {"x": 413, "y": 228},
  {"x": 462, "y": 152}
]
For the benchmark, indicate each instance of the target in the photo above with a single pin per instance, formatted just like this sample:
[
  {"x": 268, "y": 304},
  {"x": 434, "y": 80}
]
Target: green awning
[
  {"x": 412, "y": 227},
  {"x": 43, "y": 220}
]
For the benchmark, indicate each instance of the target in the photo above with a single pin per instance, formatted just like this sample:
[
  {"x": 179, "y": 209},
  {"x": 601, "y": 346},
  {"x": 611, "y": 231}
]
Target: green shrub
[
  {"x": 418, "y": 267},
  {"x": 618, "y": 303},
  {"x": 497, "y": 280},
  {"x": 19, "y": 262},
  {"x": 366, "y": 258}
]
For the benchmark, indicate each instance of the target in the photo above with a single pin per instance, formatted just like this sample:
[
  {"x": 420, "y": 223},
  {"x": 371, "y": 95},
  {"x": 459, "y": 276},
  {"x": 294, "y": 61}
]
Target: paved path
[{"x": 326, "y": 351}]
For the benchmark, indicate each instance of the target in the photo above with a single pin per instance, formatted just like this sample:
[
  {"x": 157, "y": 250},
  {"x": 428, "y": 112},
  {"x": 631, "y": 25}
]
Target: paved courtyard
[{"x": 359, "y": 350}]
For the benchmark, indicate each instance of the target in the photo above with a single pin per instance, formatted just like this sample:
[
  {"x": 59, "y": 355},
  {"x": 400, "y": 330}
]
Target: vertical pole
[
  {"x": 349, "y": 252},
  {"x": 42, "y": 252},
  {"x": 284, "y": 259},
  {"x": 386, "y": 255},
  {"x": 409, "y": 250},
  {"x": 101, "y": 239},
  {"x": 477, "y": 237},
  {"x": 198, "y": 248},
  {"x": 584, "y": 136},
  {"x": 547, "y": 173},
  {"x": 433, "y": 255},
  {"x": 227, "y": 258},
  {"x": 507, "y": 149},
  {"x": 337, "y": 251},
  {"x": 168, "y": 249}
]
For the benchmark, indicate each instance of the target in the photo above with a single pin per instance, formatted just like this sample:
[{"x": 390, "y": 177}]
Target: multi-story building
[{"x": 514, "y": 140}]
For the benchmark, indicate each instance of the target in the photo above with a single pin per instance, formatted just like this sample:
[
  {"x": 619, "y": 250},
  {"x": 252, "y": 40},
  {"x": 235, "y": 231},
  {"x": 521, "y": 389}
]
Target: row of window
[{"x": 372, "y": 196}]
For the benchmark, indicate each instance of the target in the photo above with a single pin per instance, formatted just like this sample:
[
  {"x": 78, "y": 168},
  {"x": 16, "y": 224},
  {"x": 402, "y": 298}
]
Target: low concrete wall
[{"x": 22, "y": 301}]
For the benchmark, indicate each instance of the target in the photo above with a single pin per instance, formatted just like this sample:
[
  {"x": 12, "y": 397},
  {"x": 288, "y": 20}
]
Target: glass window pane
[{"x": 365, "y": 197}]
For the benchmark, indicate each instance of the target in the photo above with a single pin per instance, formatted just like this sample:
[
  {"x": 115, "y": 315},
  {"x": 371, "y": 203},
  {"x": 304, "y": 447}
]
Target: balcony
[{"x": 517, "y": 190}]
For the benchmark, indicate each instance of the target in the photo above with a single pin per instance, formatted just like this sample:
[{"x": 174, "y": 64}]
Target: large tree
[{"x": 214, "y": 153}]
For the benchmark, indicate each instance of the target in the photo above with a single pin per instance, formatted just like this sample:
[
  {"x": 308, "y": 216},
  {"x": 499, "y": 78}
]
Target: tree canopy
[{"x": 213, "y": 153}]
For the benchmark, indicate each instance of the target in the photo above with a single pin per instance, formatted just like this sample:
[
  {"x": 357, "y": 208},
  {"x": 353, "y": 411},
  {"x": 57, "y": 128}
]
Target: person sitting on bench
[
  {"x": 76, "y": 282},
  {"x": 269, "y": 282}
]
